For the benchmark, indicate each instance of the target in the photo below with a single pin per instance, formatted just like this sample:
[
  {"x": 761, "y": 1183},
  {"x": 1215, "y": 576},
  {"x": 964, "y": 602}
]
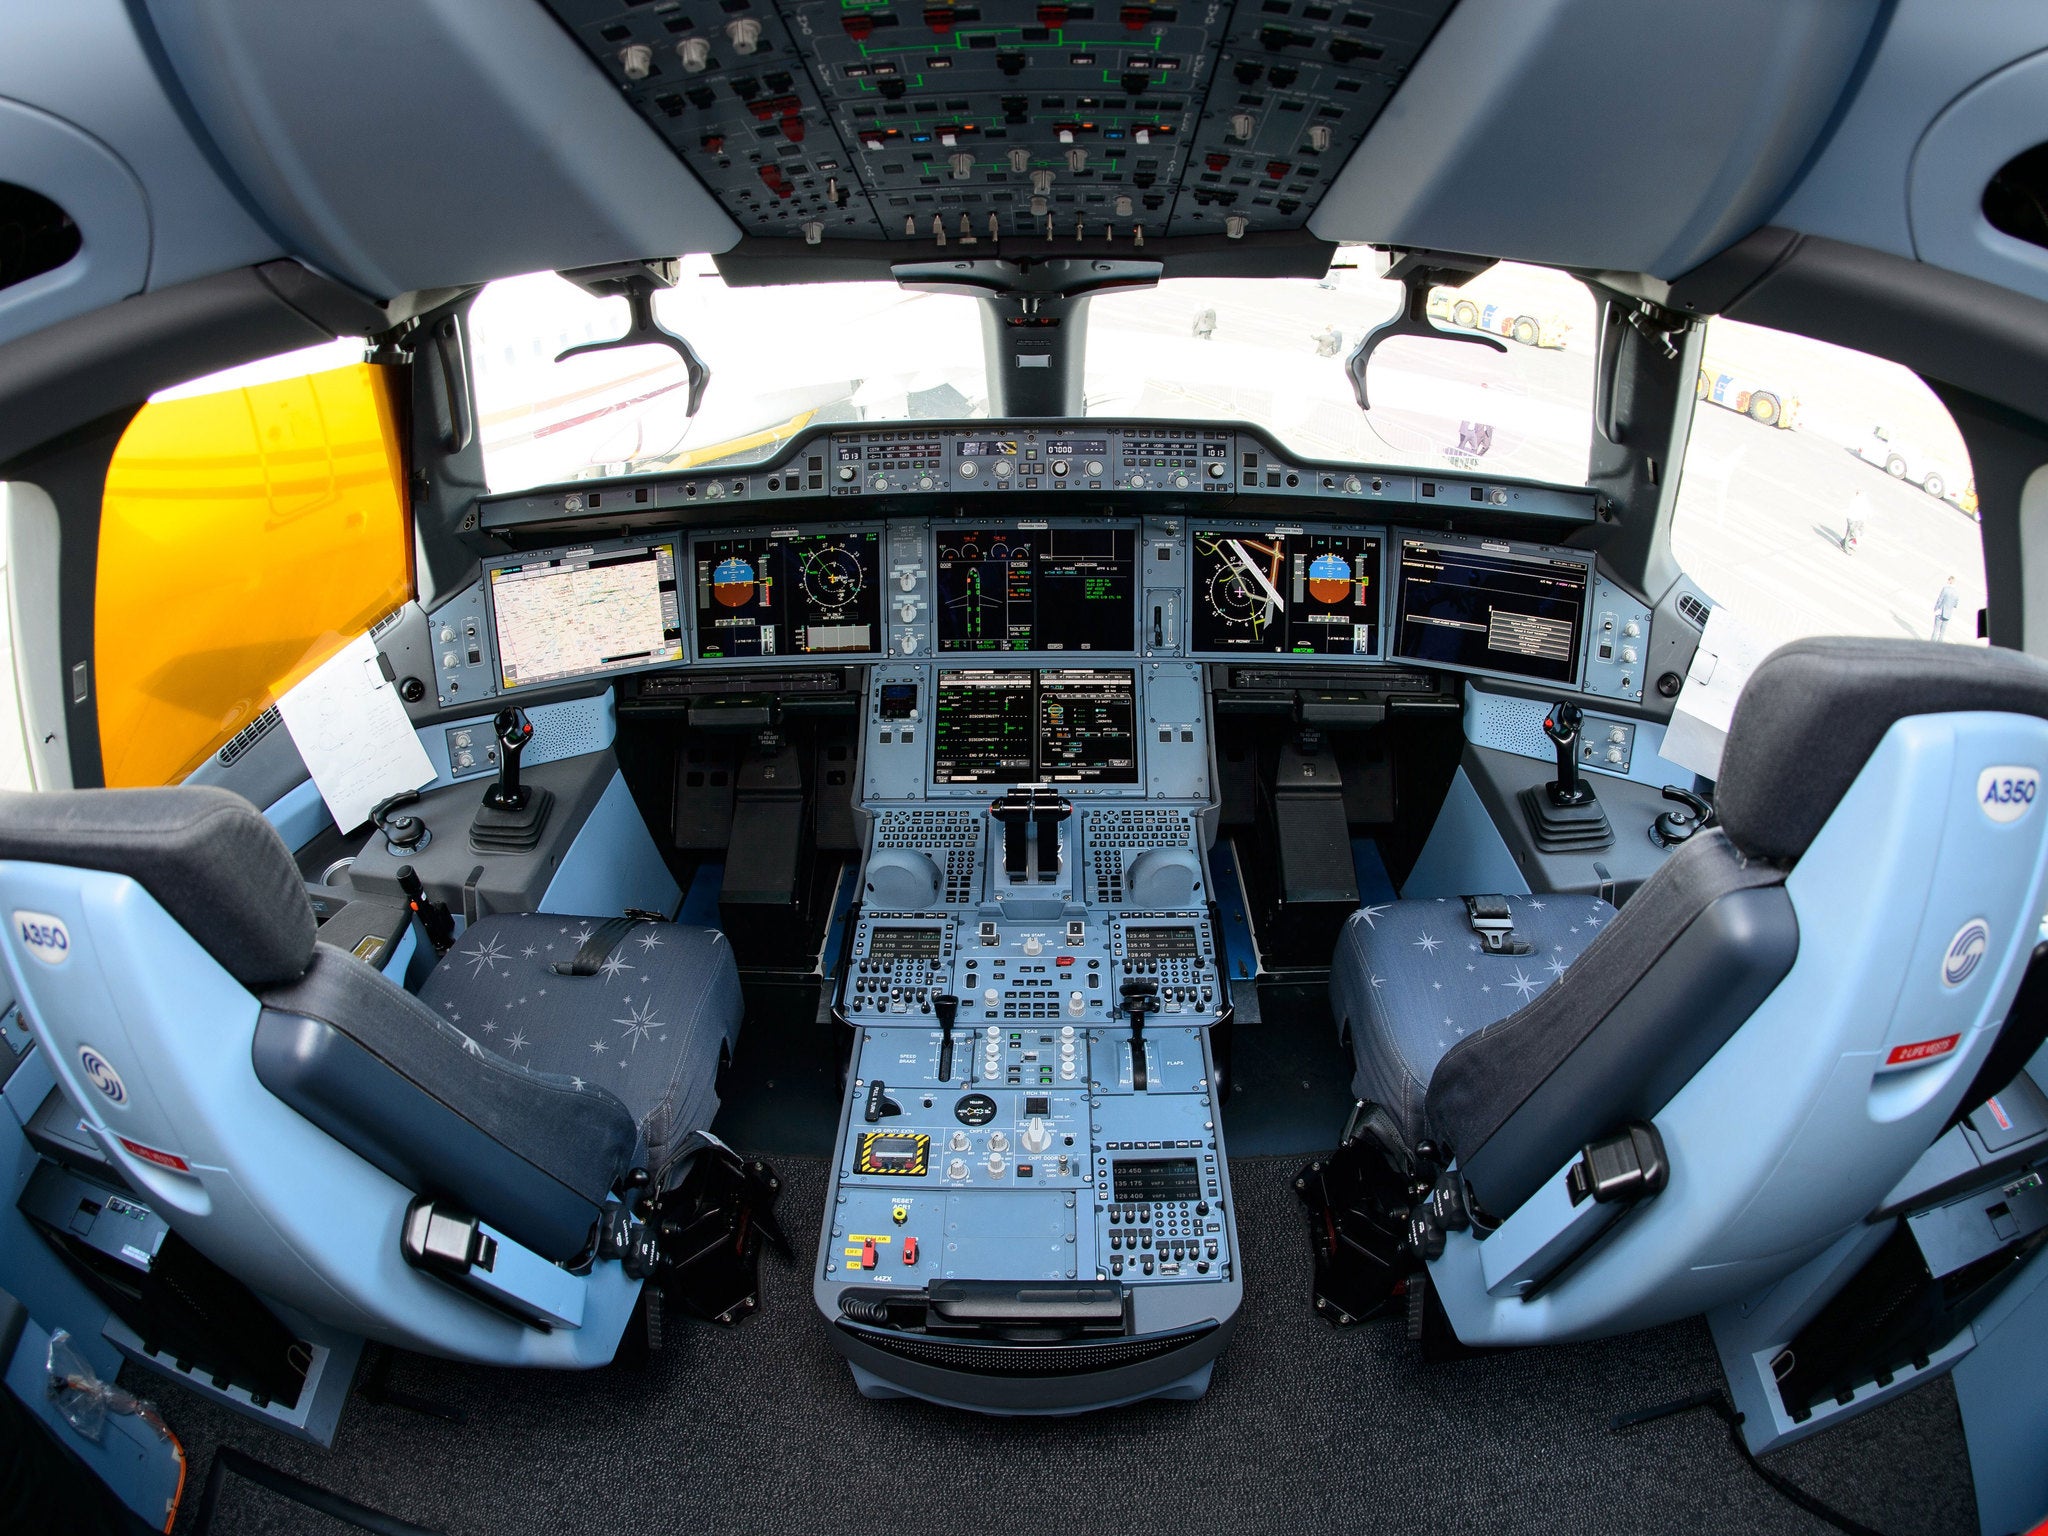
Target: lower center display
[{"x": 1076, "y": 726}]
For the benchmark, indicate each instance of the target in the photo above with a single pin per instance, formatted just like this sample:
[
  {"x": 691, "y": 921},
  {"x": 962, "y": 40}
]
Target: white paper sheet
[
  {"x": 350, "y": 726},
  {"x": 1728, "y": 652}
]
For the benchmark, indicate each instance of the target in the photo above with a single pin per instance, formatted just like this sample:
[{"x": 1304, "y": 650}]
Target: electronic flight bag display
[
  {"x": 1285, "y": 594},
  {"x": 1037, "y": 589},
  {"x": 1492, "y": 606},
  {"x": 788, "y": 594},
  {"x": 584, "y": 611}
]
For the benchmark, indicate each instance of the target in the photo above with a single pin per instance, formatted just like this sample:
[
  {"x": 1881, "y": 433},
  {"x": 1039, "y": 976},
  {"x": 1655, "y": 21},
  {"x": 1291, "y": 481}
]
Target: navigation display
[
  {"x": 788, "y": 595},
  {"x": 1491, "y": 607},
  {"x": 1065, "y": 727},
  {"x": 583, "y": 612},
  {"x": 1037, "y": 589},
  {"x": 1291, "y": 594}
]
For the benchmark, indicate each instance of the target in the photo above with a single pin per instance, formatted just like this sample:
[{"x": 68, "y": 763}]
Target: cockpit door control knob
[{"x": 1036, "y": 1136}]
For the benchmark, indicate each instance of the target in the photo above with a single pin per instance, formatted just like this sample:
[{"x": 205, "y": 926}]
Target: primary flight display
[
  {"x": 788, "y": 594},
  {"x": 1302, "y": 594}
]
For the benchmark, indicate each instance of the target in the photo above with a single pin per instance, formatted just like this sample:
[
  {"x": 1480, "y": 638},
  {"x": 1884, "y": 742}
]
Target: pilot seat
[
  {"x": 1622, "y": 1118},
  {"x": 458, "y": 1172}
]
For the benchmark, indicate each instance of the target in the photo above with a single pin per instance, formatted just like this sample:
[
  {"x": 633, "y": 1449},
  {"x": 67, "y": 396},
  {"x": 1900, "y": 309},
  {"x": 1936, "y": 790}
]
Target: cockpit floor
[{"x": 1306, "y": 1429}]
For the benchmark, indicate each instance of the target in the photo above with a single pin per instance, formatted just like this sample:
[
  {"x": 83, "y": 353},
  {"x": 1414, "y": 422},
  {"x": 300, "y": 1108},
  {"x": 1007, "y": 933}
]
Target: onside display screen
[
  {"x": 1491, "y": 607},
  {"x": 584, "y": 612},
  {"x": 1291, "y": 594},
  {"x": 788, "y": 594},
  {"x": 1056, "y": 727},
  {"x": 1036, "y": 589}
]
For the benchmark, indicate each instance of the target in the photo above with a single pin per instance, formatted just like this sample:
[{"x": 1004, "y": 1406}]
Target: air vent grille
[
  {"x": 248, "y": 736},
  {"x": 1694, "y": 609}
]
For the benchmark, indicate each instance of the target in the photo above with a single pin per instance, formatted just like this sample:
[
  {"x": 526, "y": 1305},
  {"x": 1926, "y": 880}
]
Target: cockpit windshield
[
  {"x": 1272, "y": 352},
  {"x": 781, "y": 359},
  {"x": 1266, "y": 351}
]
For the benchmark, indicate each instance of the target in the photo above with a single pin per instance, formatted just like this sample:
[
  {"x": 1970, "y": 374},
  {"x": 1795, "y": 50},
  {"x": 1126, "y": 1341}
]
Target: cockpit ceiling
[{"x": 838, "y": 120}]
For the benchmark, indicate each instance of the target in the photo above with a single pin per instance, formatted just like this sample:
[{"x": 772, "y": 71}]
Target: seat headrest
[
  {"x": 1814, "y": 711},
  {"x": 207, "y": 856}
]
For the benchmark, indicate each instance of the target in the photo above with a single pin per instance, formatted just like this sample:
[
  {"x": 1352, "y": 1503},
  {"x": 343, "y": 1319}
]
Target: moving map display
[
  {"x": 1036, "y": 589},
  {"x": 583, "y": 612},
  {"x": 1301, "y": 594},
  {"x": 788, "y": 595}
]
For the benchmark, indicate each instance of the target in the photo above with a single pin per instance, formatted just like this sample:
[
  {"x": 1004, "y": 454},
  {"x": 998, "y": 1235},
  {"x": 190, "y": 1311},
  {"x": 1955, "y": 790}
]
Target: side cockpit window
[
  {"x": 1826, "y": 492},
  {"x": 253, "y": 523}
]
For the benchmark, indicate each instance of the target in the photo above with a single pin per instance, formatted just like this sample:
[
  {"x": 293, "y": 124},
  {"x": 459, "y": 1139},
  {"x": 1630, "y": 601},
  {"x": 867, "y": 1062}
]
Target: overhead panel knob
[
  {"x": 963, "y": 165},
  {"x": 694, "y": 54},
  {"x": 745, "y": 32}
]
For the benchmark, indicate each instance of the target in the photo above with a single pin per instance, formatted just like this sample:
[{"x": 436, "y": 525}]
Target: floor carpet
[{"x": 1306, "y": 1429}]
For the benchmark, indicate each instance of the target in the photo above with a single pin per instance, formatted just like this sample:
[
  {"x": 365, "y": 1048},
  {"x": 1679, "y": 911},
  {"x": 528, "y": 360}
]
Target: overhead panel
[{"x": 847, "y": 120}]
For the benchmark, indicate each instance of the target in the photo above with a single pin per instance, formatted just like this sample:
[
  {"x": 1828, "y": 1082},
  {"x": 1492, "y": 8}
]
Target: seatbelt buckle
[{"x": 1492, "y": 920}]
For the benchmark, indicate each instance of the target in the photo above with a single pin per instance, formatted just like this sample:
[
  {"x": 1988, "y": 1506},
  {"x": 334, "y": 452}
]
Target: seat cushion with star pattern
[
  {"x": 648, "y": 1026},
  {"x": 1411, "y": 979}
]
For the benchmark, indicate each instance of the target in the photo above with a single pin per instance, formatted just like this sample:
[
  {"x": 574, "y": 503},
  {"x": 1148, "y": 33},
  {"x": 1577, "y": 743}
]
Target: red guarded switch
[
  {"x": 939, "y": 19},
  {"x": 909, "y": 1251},
  {"x": 859, "y": 28},
  {"x": 1219, "y": 162},
  {"x": 1053, "y": 16},
  {"x": 793, "y": 127},
  {"x": 867, "y": 1253},
  {"x": 1277, "y": 169},
  {"x": 776, "y": 182},
  {"x": 1134, "y": 17}
]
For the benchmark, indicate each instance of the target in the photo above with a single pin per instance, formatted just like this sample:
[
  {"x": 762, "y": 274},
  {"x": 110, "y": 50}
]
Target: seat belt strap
[
  {"x": 604, "y": 938},
  {"x": 1492, "y": 920}
]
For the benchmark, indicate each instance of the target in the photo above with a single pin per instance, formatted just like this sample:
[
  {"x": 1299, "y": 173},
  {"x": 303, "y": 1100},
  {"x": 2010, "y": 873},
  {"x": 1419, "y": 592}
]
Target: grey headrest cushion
[
  {"x": 207, "y": 856},
  {"x": 1814, "y": 711}
]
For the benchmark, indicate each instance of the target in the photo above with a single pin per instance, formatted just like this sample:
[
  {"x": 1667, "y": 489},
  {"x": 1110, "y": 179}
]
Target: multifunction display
[
  {"x": 1087, "y": 728},
  {"x": 1297, "y": 593},
  {"x": 788, "y": 594},
  {"x": 1491, "y": 607},
  {"x": 1064, "y": 727},
  {"x": 1036, "y": 589},
  {"x": 584, "y": 612}
]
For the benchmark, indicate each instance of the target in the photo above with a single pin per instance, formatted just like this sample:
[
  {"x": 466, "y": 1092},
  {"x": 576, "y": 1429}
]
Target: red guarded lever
[
  {"x": 867, "y": 1253},
  {"x": 1052, "y": 16},
  {"x": 909, "y": 1251},
  {"x": 859, "y": 28},
  {"x": 939, "y": 19}
]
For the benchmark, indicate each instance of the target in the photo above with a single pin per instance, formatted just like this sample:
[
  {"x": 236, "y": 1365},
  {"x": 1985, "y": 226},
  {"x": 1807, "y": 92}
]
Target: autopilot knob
[{"x": 1036, "y": 1135}]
